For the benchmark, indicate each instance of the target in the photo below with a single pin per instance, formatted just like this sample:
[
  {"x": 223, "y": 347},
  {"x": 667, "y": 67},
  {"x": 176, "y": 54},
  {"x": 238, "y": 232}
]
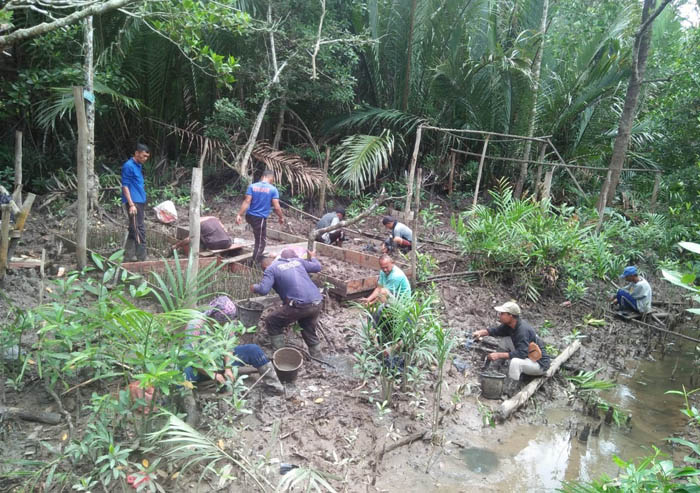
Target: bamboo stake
[
  {"x": 512, "y": 404},
  {"x": 18, "y": 166},
  {"x": 24, "y": 212},
  {"x": 655, "y": 191},
  {"x": 5, "y": 239},
  {"x": 481, "y": 168},
  {"x": 450, "y": 182},
  {"x": 81, "y": 152},
  {"x": 193, "y": 264},
  {"x": 601, "y": 205}
]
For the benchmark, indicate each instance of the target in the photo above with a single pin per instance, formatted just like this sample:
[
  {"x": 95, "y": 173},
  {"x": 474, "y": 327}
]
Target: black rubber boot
[
  {"x": 510, "y": 387},
  {"x": 130, "y": 250},
  {"x": 141, "y": 252},
  {"x": 269, "y": 377},
  {"x": 315, "y": 351}
]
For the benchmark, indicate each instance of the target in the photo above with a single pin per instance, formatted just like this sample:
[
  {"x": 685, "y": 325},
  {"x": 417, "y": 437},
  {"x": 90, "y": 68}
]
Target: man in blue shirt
[
  {"x": 134, "y": 200},
  {"x": 259, "y": 199},
  {"x": 301, "y": 298}
]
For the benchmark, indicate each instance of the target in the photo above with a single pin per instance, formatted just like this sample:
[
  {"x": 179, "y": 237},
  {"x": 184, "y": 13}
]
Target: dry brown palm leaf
[
  {"x": 302, "y": 177},
  {"x": 193, "y": 133}
]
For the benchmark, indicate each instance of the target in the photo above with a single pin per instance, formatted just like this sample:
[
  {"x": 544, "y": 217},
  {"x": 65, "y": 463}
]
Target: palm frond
[
  {"x": 302, "y": 177},
  {"x": 362, "y": 157},
  {"x": 307, "y": 479}
]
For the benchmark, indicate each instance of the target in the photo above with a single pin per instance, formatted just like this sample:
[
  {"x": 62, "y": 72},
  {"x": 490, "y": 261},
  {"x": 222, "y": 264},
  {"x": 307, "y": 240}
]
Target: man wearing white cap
[
  {"x": 527, "y": 354},
  {"x": 636, "y": 296}
]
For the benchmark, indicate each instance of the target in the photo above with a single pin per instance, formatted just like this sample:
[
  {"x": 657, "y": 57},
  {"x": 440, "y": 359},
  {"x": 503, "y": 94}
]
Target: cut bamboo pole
[
  {"x": 322, "y": 199},
  {"x": 18, "y": 167},
  {"x": 481, "y": 169},
  {"x": 412, "y": 171},
  {"x": 24, "y": 212},
  {"x": 193, "y": 264},
  {"x": 81, "y": 154},
  {"x": 450, "y": 182},
  {"x": 511, "y": 405},
  {"x": 655, "y": 191}
]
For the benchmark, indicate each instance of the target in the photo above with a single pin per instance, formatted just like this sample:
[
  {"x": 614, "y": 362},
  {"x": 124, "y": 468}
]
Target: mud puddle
[{"x": 522, "y": 457}]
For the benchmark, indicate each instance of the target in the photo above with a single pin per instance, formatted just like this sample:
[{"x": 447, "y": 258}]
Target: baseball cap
[
  {"x": 630, "y": 270},
  {"x": 508, "y": 307}
]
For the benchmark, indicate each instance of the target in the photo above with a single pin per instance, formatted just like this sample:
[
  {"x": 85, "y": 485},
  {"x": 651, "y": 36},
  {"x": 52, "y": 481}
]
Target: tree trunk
[
  {"x": 280, "y": 124},
  {"x": 536, "y": 69},
  {"x": 322, "y": 199},
  {"x": 81, "y": 226},
  {"x": 641, "y": 50},
  {"x": 193, "y": 263},
  {"x": 18, "y": 167},
  {"x": 412, "y": 170},
  {"x": 409, "y": 54},
  {"x": 93, "y": 184}
]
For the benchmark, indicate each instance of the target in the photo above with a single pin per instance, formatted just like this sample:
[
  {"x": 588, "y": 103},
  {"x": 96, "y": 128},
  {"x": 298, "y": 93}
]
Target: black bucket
[
  {"x": 249, "y": 312},
  {"x": 287, "y": 362},
  {"x": 492, "y": 384}
]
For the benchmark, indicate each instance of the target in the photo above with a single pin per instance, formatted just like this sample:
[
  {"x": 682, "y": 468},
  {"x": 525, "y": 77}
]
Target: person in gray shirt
[
  {"x": 636, "y": 296},
  {"x": 401, "y": 236},
  {"x": 331, "y": 219}
]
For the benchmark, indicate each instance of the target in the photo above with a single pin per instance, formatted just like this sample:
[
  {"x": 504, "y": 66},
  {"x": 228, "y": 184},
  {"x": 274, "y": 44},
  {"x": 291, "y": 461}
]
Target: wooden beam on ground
[
  {"x": 27, "y": 415},
  {"x": 511, "y": 405}
]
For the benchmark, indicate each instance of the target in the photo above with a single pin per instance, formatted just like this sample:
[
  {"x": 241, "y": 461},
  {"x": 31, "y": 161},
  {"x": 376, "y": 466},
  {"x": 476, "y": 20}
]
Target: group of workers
[{"x": 288, "y": 275}]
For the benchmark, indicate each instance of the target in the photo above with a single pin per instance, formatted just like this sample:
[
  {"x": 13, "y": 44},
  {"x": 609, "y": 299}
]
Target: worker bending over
[
  {"x": 400, "y": 236},
  {"x": 636, "y": 296}
]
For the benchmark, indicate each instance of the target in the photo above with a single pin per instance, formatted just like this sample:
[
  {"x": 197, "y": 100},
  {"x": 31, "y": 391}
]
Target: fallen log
[
  {"x": 508, "y": 407},
  {"x": 35, "y": 416}
]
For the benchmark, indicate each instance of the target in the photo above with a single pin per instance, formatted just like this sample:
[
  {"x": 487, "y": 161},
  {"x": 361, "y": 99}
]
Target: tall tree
[{"x": 642, "y": 41}]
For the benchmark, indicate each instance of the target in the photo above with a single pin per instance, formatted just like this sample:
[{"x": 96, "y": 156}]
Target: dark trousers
[
  {"x": 334, "y": 237},
  {"x": 391, "y": 246},
  {"x": 216, "y": 245},
  {"x": 137, "y": 227},
  {"x": 307, "y": 316},
  {"x": 625, "y": 300},
  {"x": 259, "y": 225}
]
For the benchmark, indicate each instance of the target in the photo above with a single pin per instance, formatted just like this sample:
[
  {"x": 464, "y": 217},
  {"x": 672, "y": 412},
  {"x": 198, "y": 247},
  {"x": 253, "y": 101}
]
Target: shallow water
[{"x": 521, "y": 457}]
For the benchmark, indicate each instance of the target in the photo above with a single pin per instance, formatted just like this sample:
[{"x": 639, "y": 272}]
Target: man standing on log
[
  {"x": 301, "y": 298},
  {"x": 331, "y": 219},
  {"x": 525, "y": 349},
  {"x": 636, "y": 296},
  {"x": 134, "y": 200},
  {"x": 400, "y": 236},
  {"x": 260, "y": 198}
]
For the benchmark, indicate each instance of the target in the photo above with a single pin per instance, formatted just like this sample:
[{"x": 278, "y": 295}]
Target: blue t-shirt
[
  {"x": 132, "y": 178},
  {"x": 263, "y": 193}
]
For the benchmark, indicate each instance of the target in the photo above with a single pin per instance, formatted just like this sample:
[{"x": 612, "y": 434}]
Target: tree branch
[{"x": 44, "y": 27}]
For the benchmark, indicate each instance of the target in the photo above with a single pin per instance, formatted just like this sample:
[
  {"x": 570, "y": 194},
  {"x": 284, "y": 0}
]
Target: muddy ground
[{"x": 331, "y": 419}]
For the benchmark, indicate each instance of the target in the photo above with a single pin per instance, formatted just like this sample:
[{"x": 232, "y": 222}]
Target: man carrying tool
[
  {"x": 301, "y": 298},
  {"x": 134, "y": 200},
  {"x": 331, "y": 219},
  {"x": 525, "y": 349},
  {"x": 259, "y": 199},
  {"x": 636, "y": 296},
  {"x": 400, "y": 236},
  {"x": 392, "y": 282},
  {"x": 212, "y": 236}
]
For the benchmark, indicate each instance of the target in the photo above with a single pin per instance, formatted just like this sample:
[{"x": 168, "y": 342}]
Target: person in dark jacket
[
  {"x": 331, "y": 219},
  {"x": 301, "y": 298},
  {"x": 521, "y": 334}
]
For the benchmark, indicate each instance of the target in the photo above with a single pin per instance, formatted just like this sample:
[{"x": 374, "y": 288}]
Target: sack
[
  {"x": 534, "y": 352},
  {"x": 166, "y": 212}
]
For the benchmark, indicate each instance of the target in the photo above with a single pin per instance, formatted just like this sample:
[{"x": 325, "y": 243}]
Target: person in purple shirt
[
  {"x": 301, "y": 298},
  {"x": 134, "y": 200},
  {"x": 260, "y": 198}
]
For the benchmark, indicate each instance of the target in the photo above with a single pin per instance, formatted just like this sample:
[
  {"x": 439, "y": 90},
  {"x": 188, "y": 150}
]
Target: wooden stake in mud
[
  {"x": 512, "y": 404},
  {"x": 18, "y": 166},
  {"x": 414, "y": 254},
  {"x": 412, "y": 171},
  {"x": 481, "y": 168},
  {"x": 81, "y": 154},
  {"x": 322, "y": 199},
  {"x": 5, "y": 236},
  {"x": 193, "y": 264},
  {"x": 450, "y": 181}
]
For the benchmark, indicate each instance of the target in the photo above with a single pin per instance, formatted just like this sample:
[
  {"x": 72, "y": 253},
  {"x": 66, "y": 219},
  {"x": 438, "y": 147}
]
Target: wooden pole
[
  {"x": 567, "y": 167},
  {"x": 4, "y": 239},
  {"x": 193, "y": 264},
  {"x": 450, "y": 182},
  {"x": 24, "y": 212},
  {"x": 18, "y": 166},
  {"x": 481, "y": 168},
  {"x": 81, "y": 227},
  {"x": 322, "y": 199},
  {"x": 414, "y": 247},
  {"x": 540, "y": 158},
  {"x": 655, "y": 191},
  {"x": 511, "y": 405},
  {"x": 412, "y": 171},
  {"x": 547, "y": 186}
]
